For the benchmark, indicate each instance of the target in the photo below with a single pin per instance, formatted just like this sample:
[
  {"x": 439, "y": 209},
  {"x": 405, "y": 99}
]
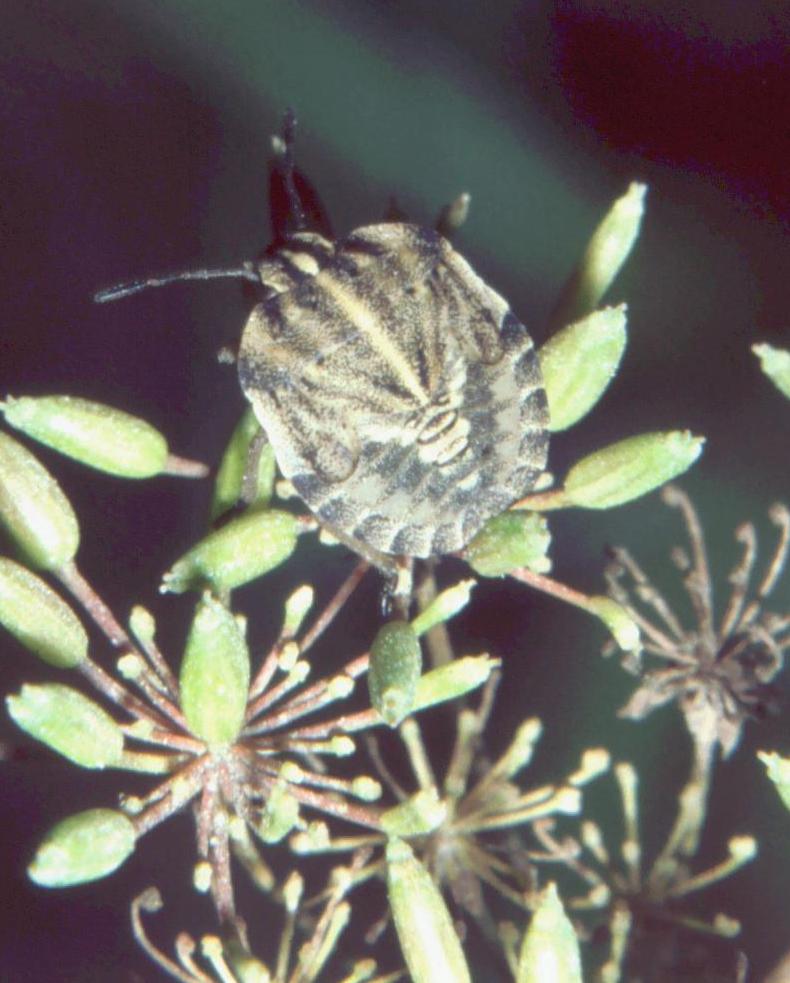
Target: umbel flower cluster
[{"x": 276, "y": 758}]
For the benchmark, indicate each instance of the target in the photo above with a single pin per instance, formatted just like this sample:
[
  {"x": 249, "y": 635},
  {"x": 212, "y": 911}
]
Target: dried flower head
[
  {"x": 649, "y": 925},
  {"x": 719, "y": 673},
  {"x": 464, "y": 826}
]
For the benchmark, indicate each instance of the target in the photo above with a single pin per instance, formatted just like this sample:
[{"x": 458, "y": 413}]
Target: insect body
[{"x": 402, "y": 397}]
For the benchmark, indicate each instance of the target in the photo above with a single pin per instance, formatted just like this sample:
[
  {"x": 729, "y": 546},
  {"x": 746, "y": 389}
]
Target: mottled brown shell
[{"x": 401, "y": 396}]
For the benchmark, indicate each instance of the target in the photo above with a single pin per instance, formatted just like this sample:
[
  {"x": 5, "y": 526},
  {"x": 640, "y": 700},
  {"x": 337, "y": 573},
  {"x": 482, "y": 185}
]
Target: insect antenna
[
  {"x": 286, "y": 153},
  {"x": 245, "y": 272}
]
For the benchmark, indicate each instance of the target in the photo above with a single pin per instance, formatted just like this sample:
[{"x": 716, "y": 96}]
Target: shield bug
[{"x": 402, "y": 397}]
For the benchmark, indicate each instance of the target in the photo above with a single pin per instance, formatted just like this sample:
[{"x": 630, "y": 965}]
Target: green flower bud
[
  {"x": 443, "y": 607},
  {"x": 142, "y": 625},
  {"x": 508, "y": 542},
  {"x": 607, "y": 250},
  {"x": 84, "y": 847},
  {"x": 230, "y": 476},
  {"x": 395, "y": 663},
  {"x": 778, "y": 769},
  {"x": 297, "y": 607},
  {"x": 579, "y": 362},
  {"x": 456, "y": 678},
  {"x": 246, "y": 968},
  {"x": 775, "y": 363},
  {"x": 69, "y": 723},
  {"x": 315, "y": 839},
  {"x": 366, "y": 788},
  {"x": 550, "y": 950},
  {"x": 416, "y": 816},
  {"x": 362, "y": 971},
  {"x": 97, "y": 435},
  {"x": 293, "y": 889},
  {"x": 280, "y": 815},
  {"x": 520, "y": 750},
  {"x": 245, "y": 548},
  {"x": 425, "y": 930},
  {"x": 34, "y": 510},
  {"x": 630, "y": 468},
  {"x": 215, "y": 674},
  {"x": 742, "y": 849},
  {"x": 624, "y": 629},
  {"x": 39, "y": 618},
  {"x": 202, "y": 876}
]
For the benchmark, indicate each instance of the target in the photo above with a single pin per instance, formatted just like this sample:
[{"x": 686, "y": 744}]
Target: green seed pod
[
  {"x": 630, "y": 468},
  {"x": 425, "y": 930},
  {"x": 418, "y": 815},
  {"x": 775, "y": 363},
  {"x": 84, "y": 847},
  {"x": 452, "y": 680},
  {"x": 607, "y": 250},
  {"x": 39, "y": 618},
  {"x": 579, "y": 362},
  {"x": 97, "y": 435},
  {"x": 395, "y": 663},
  {"x": 510, "y": 541},
  {"x": 230, "y": 476},
  {"x": 245, "y": 548},
  {"x": 215, "y": 674},
  {"x": 443, "y": 607},
  {"x": 69, "y": 723},
  {"x": 550, "y": 950},
  {"x": 34, "y": 510}
]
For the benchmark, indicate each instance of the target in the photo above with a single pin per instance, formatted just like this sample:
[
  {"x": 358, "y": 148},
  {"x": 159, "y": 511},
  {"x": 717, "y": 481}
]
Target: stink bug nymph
[{"x": 401, "y": 396}]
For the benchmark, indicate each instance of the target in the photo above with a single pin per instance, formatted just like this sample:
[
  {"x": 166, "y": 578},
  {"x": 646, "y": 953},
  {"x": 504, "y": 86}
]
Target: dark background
[{"x": 135, "y": 140}]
